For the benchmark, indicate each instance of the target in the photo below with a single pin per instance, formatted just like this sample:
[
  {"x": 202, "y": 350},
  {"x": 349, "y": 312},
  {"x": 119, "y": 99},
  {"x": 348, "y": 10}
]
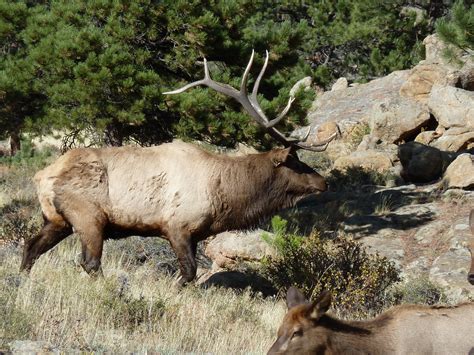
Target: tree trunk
[
  {"x": 15, "y": 143},
  {"x": 113, "y": 135}
]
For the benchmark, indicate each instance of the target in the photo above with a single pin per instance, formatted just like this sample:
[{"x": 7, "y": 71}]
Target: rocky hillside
[{"x": 413, "y": 127}]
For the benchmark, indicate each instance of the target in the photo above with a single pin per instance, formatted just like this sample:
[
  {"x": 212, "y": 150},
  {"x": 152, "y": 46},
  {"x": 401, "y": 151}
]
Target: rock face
[
  {"x": 453, "y": 107},
  {"x": 422, "y": 78},
  {"x": 433, "y": 104},
  {"x": 349, "y": 106},
  {"x": 394, "y": 119}
]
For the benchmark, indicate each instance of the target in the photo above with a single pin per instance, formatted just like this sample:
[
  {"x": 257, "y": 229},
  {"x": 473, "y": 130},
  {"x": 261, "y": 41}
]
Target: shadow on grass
[{"x": 238, "y": 280}]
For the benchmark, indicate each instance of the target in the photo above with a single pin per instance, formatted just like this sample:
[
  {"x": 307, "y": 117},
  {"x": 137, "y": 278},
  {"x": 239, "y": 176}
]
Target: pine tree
[
  {"x": 21, "y": 97},
  {"x": 96, "y": 69},
  {"x": 457, "y": 29}
]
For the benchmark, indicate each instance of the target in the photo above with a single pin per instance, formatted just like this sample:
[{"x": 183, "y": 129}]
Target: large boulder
[
  {"x": 348, "y": 107},
  {"x": 460, "y": 173},
  {"x": 423, "y": 77},
  {"x": 452, "y": 107},
  {"x": 368, "y": 159},
  {"x": 422, "y": 163},
  {"x": 455, "y": 141},
  {"x": 395, "y": 119},
  {"x": 228, "y": 249}
]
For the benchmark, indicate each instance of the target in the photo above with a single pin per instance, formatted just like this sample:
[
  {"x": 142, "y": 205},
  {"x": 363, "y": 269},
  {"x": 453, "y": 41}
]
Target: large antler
[{"x": 251, "y": 105}]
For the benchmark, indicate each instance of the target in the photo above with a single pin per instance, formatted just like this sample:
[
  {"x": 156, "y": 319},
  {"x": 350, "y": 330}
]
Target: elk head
[
  {"x": 302, "y": 318},
  {"x": 251, "y": 105}
]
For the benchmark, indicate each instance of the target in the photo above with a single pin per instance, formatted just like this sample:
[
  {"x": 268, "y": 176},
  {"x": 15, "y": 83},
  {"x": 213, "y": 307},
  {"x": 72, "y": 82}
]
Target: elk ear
[
  {"x": 320, "y": 306},
  {"x": 279, "y": 156},
  {"x": 294, "y": 297}
]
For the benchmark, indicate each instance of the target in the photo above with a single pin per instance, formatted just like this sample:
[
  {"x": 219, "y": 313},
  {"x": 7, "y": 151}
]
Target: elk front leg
[
  {"x": 92, "y": 245},
  {"x": 185, "y": 249},
  {"x": 88, "y": 222}
]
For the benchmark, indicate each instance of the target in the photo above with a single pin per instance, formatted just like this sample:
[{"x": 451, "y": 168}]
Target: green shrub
[
  {"x": 33, "y": 158},
  {"x": 419, "y": 290},
  {"x": 357, "y": 280}
]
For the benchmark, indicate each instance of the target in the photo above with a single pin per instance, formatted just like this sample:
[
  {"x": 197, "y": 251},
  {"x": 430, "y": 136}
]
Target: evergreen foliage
[
  {"x": 21, "y": 97},
  {"x": 96, "y": 69},
  {"x": 457, "y": 29}
]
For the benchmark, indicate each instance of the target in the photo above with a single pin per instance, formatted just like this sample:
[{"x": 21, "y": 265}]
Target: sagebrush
[{"x": 357, "y": 280}]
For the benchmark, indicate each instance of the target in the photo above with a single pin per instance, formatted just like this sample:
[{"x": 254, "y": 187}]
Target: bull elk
[
  {"x": 175, "y": 190},
  {"x": 406, "y": 329},
  {"x": 470, "y": 275}
]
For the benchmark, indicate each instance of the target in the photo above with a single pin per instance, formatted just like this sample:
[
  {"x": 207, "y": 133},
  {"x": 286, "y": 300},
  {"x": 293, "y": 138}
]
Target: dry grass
[{"x": 129, "y": 309}]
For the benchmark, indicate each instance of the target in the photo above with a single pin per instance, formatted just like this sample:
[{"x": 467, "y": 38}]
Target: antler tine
[
  {"x": 256, "y": 105},
  {"x": 312, "y": 148},
  {"x": 243, "y": 85},
  {"x": 317, "y": 147},
  {"x": 253, "y": 97},
  {"x": 207, "y": 81},
  {"x": 186, "y": 87},
  {"x": 282, "y": 114}
]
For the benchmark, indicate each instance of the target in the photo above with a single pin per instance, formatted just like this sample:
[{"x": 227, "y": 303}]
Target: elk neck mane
[{"x": 244, "y": 189}]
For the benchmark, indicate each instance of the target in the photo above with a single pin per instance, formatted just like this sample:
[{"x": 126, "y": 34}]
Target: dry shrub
[
  {"x": 20, "y": 219},
  {"x": 357, "y": 280},
  {"x": 418, "y": 290}
]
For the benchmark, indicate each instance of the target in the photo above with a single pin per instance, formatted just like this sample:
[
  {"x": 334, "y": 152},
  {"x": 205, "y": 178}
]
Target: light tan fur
[
  {"x": 406, "y": 329},
  {"x": 175, "y": 190}
]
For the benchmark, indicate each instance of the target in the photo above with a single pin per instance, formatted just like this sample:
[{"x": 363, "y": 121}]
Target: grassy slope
[{"x": 130, "y": 309}]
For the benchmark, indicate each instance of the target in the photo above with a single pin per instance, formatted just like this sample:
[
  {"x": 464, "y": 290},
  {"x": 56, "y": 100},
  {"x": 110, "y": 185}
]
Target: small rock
[
  {"x": 340, "y": 84},
  {"x": 460, "y": 173}
]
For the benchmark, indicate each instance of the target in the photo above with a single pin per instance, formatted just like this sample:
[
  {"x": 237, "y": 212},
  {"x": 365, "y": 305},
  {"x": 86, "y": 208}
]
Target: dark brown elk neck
[
  {"x": 359, "y": 337},
  {"x": 245, "y": 191}
]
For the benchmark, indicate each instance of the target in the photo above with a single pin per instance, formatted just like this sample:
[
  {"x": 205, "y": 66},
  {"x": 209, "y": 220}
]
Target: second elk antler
[{"x": 251, "y": 105}]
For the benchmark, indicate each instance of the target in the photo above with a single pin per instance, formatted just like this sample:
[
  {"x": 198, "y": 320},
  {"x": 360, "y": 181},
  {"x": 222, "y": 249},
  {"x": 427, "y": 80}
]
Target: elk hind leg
[{"x": 50, "y": 235}]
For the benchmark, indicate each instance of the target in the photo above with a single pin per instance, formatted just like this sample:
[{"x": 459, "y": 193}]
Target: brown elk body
[
  {"x": 406, "y": 329},
  {"x": 470, "y": 275},
  {"x": 175, "y": 190}
]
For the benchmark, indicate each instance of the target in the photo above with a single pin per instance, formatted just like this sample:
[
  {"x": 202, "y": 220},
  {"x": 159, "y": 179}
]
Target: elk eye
[{"x": 297, "y": 333}]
